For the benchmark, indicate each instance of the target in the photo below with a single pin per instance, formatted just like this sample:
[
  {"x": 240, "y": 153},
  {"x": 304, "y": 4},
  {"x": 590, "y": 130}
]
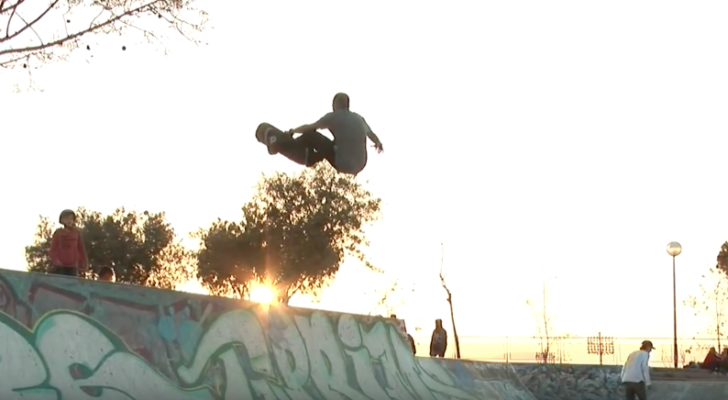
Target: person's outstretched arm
[
  {"x": 322, "y": 123},
  {"x": 374, "y": 138}
]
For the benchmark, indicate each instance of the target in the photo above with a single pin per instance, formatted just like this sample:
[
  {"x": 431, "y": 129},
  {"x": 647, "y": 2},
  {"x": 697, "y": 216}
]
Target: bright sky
[{"x": 574, "y": 137}]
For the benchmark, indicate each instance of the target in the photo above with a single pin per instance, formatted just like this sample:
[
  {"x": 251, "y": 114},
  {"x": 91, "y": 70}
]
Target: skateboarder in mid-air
[{"x": 347, "y": 153}]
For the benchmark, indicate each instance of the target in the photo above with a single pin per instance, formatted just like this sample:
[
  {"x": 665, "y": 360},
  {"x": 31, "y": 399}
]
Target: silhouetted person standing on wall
[
  {"x": 711, "y": 361},
  {"x": 723, "y": 361},
  {"x": 68, "y": 254},
  {"x": 438, "y": 343},
  {"x": 409, "y": 337},
  {"x": 636, "y": 372}
]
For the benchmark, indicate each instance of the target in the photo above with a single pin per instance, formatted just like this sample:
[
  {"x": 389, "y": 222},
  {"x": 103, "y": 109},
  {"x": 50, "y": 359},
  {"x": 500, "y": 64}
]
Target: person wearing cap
[
  {"x": 68, "y": 253},
  {"x": 636, "y": 372},
  {"x": 347, "y": 153}
]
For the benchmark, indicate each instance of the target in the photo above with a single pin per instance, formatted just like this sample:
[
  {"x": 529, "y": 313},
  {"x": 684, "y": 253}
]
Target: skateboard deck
[{"x": 268, "y": 134}]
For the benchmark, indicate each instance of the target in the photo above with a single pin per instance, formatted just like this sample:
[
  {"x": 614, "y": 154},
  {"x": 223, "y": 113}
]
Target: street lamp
[{"x": 674, "y": 249}]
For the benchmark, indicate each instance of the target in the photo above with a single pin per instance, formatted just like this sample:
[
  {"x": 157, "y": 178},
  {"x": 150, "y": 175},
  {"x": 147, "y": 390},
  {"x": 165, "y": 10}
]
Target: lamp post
[{"x": 674, "y": 249}]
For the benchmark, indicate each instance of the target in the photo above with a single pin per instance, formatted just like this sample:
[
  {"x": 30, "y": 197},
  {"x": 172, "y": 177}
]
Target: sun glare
[
  {"x": 193, "y": 286},
  {"x": 262, "y": 294}
]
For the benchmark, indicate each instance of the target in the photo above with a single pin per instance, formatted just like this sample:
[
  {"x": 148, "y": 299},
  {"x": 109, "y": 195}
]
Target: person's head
[
  {"x": 438, "y": 323},
  {"x": 725, "y": 351},
  {"x": 647, "y": 346},
  {"x": 393, "y": 316},
  {"x": 67, "y": 218},
  {"x": 712, "y": 350},
  {"x": 341, "y": 102},
  {"x": 107, "y": 274}
]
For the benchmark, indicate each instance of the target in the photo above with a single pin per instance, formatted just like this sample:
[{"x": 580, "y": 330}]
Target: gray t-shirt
[{"x": 350, "y": 136}]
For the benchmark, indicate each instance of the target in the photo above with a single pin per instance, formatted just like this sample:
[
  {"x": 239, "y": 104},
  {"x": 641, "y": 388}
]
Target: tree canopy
[
  {"x": 141, "y": 247},
  {"x": 723, "y": 258},
  {"x": 33, "y": 33},
  {"x": 294, "y": 234}
]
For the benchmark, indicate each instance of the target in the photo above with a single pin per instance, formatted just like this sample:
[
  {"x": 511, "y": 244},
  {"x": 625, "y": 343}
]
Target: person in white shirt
[{"x": 636, "y": 372}]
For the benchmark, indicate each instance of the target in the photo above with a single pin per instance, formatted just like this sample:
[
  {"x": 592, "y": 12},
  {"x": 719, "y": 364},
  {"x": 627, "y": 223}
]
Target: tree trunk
[
  {"x": 718, "y": 332},
  {"x": 454, "y": 329}
]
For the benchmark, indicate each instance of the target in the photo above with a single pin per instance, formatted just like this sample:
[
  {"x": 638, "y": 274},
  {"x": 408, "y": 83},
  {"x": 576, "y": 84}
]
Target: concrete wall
[{"x": 67, "y": 338}]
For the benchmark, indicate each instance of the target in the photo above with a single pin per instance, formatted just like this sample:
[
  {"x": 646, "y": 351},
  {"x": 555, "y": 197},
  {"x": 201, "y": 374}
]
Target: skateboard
[{"x": 268, "y": 135}]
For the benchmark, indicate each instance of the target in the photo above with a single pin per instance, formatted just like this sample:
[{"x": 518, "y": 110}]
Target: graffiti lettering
[
  {"x": 59, "y": 343},
  {"x": 70, "y": 355}
]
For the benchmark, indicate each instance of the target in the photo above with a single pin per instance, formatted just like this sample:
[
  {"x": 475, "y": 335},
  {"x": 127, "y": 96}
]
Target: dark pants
[
  {"x": 67, "y": 271},
  {"x": 436, "y": 351},
  {"x": 635, "y": 391},
  {"x": 711, "y": 366},
  {"x": 314, "y": 145}
]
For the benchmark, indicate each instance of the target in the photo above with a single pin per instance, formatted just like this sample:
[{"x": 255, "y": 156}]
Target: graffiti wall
[{"x": 67, "y": 338}]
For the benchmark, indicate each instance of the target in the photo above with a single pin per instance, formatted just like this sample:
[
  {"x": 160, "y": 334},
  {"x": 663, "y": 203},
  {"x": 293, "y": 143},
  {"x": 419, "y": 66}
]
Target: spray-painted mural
[{"x": 65, "y": 338}]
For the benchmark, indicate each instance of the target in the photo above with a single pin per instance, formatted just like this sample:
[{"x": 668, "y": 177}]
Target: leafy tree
[
  {"x": 712, "y": 301},
  {"x": 723, "y": 258},
  {"x": 294, "y": 234},
  {"x": 33, "y": 33},
  {"x": 141, "y": 247}
]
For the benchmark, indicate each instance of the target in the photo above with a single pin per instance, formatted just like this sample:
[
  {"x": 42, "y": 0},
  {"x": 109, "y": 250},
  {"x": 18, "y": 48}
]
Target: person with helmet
[
  {"x": 107, "y": 274},
  {"x": 347, "y": 153},
  {"x": 68, "y": 253}
]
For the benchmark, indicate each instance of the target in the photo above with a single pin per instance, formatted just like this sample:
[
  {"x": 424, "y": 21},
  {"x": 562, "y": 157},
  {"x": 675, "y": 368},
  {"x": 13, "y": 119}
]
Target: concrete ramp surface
[
  {"x": 72, "y": 339},
  {"x": 485, "y": 380}
]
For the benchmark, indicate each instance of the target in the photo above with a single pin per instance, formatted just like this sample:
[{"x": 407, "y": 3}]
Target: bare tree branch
[
  {"x": 544, "y": 325},
  {"x": 27, "y": 25},
  {"x": 13, "y": 7},
  {"x": 449, "y": 299},
  {"x": 53, "y": 39},
  {"x": 76, "y": 35},
  {"x": 13, "y": 60},
  {"x": 12, "y": 14}
]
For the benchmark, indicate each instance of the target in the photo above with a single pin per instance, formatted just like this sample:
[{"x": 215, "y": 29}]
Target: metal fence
[{"x": 597, "y": 349}]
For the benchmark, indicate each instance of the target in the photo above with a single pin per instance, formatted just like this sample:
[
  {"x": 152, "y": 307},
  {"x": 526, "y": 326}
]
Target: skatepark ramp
[
  {"x": 69, "y": 338},
  {"x": 63, "y": 338}
]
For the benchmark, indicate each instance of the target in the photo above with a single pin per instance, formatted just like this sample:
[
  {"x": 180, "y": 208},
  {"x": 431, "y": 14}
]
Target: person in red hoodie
[{"x": 68, "y": 253}]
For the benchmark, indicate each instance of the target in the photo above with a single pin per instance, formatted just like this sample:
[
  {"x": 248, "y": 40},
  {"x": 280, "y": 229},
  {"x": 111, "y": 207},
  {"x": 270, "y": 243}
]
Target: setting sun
[
  {"x": 193, "y": 286},
  {"x": 262, "y": 294}
]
